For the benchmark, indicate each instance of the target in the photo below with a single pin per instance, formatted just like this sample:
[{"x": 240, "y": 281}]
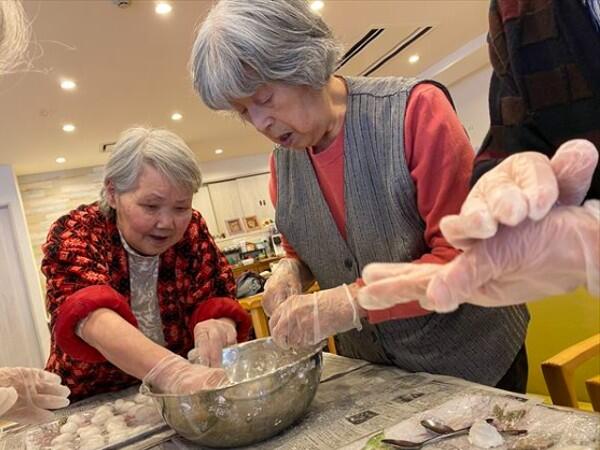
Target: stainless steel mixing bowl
[{"x": 270, "y": 389}]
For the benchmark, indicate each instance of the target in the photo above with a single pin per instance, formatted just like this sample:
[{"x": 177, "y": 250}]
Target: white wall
[
  {"x": 470, "y": 96},
  {"x": 24, "y": 335}
]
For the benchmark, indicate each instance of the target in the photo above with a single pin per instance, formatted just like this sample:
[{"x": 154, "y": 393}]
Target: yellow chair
[
  {"x": 259, "y": 319},
  {"x": 560, "y": 369},
  {"x": 260, "y": 323}
]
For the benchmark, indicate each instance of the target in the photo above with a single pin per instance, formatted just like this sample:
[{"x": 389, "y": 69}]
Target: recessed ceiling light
[
  {"x": 176, "y": 116},
  {"x": 413, "y": 59},
  {"x": 317, "y": 5},
  {"x": 68, "y": 85},
  {"x": 68, "y": 127},
  {"x": 163, "y": 8},
  {"x": 61, "y": 160},
  {"x": 218, "y": 151}
]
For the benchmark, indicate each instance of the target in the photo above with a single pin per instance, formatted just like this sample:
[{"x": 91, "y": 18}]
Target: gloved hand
[
  {"x": 532, "y": 260},
  {"x": 29, "y": 393},
  {"x": 525, "y": 185},
  {"x": 175, "y": 375},
  {"x": 305, "y": 320},
  {"x": 285, "y": 281},
  {"x": 210, "y": 337}
]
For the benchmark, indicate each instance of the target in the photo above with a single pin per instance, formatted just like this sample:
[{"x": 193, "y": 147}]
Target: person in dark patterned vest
[
  {"x": 545, "y": 88},
  {"x": 539, "y": 152},
  {"x": 135, "y": 281},
  {"x": 363, "y": 170}
]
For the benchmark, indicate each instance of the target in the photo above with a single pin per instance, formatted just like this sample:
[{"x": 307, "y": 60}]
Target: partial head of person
[
  {"x": 15, "y": 34},
  {"x": 271, "y": 61},
  {"x": 149, "y": 182}
]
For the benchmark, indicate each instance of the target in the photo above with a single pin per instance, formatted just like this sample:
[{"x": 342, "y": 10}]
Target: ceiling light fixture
[
  {"x": 61, "y": 160},
  {"x": 68, "y": 127},
  {"x": 176, "y": 116},
  {"x": 68, "y": 85},
  {"x": 218, "y": 151},
  {"x": 414, "y": 59},
  {"x": 317, "y": 5},
  {"x": 163, "y": 8}
]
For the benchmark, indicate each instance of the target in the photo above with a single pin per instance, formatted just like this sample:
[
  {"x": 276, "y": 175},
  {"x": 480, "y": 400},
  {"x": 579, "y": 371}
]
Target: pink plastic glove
[
  {"x": 285, "y": 281},
  {"x": 210, "y": 337},
  {"x": 306, "y": 320},
  {"x": 27, "y": 394},
  {"x": 523, "y": 186},
  {"x": 530, "y": 261},
  {"x": 175, "y": 375}
]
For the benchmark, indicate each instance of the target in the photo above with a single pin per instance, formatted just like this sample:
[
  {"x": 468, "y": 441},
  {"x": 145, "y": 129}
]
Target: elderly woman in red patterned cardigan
[{"x": 136, "y": 280}]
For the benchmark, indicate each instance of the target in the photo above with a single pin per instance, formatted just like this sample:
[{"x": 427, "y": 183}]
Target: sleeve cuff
[
  {"x": 219, "y": 307},
  {"x": 76, "y": 308},
  {"x": 402, "y": 311}
]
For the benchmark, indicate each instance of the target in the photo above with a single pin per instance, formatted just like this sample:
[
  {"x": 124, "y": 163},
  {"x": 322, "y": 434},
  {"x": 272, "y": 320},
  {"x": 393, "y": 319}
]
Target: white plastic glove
[
  {"x": 175, "y": 375},
  {"x": 530, "y": 261},
  {"x": 27, "y": 394},
  {"x": 285, "y": 281},
  {"x": 306, "y": 320},
  {"x": 523, "y": 186},
  {"x": 210, "y": 337}
]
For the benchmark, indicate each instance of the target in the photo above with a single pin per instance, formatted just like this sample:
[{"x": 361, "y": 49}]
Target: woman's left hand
[
  {"x": 305, "y": 320},
  {"x": 210, "y": 337},
  {"x": 533, "y": 260}
]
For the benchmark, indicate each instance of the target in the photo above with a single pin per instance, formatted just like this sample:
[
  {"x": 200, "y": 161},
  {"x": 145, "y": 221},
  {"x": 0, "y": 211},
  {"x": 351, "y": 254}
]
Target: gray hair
[
  {"x": 244, "y": 43},
  {"x": 163, "y": 150},
  {"x": 15, "y": 34}
]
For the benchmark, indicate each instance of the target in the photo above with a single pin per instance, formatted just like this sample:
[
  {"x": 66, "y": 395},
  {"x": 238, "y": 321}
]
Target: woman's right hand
[
  {"x": 175, "y": 375},
  {"x": 523, "y": 186},
  {"x": 26, "y": 394},
  {"x": 285, "y": 282}
]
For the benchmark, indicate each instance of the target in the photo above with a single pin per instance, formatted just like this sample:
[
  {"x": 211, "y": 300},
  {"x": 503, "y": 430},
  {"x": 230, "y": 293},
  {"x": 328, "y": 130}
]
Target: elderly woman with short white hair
[
  {"x": 135, "y": 281},
  {"x": 363, "y": 171}
]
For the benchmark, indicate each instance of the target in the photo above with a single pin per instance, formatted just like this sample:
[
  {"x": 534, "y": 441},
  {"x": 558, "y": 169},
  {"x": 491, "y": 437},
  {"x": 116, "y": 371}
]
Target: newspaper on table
[{"x": 359, "y": 403}]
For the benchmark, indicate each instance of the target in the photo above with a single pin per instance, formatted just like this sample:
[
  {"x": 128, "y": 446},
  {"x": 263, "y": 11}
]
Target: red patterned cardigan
[{"x": 86, "y": 268}]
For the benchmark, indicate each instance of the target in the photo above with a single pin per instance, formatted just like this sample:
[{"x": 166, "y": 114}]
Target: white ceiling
[{"x": 131, "y": 68}]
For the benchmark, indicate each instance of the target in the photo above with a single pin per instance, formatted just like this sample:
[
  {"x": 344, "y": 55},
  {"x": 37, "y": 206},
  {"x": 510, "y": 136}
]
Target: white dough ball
[
  {"x": 145, "y": 414},
  {"x": 116, "y": 427},
  {"x": 77, "y": 419},
  {"x": 103, "y": 410},
  {"x": 100, "y": 418},
  {"x": 69, "y": 427},
  {"x": 125, "y": 406},
  {"x": 89, "y": 431},
  {"x": 115, "y": 420},
  {"x": 63, "y": 438}
]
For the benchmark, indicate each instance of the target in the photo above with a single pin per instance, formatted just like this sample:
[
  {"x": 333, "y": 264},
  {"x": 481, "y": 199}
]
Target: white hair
[
  {"x": 15, "y": 34},
  {"x": 244, "y": 43},
  {"x": 161, "y": 149}
]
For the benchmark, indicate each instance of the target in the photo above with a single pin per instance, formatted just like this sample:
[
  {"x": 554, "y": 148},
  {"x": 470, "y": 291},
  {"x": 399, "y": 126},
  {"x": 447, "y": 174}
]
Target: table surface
[{"x": 357, "y": 400}]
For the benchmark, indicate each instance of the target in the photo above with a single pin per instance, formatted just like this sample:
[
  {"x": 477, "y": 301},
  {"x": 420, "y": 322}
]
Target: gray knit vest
[{"x": 383, "y": 224}]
